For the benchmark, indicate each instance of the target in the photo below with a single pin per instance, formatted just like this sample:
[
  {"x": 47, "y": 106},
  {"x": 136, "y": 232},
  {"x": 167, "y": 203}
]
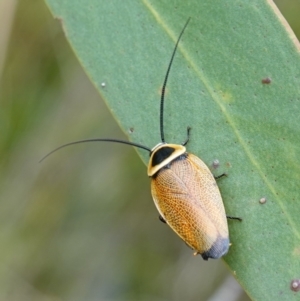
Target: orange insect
[{"x": 184, "y": 190}]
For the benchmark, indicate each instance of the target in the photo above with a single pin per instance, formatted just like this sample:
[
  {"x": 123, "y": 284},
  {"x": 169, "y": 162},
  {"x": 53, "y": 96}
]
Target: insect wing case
[{"x": 188, "y": 198}]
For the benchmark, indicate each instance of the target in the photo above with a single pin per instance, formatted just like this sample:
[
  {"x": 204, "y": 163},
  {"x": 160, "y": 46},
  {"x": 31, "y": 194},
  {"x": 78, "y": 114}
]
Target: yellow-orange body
[{"x": 188, "y": 199}]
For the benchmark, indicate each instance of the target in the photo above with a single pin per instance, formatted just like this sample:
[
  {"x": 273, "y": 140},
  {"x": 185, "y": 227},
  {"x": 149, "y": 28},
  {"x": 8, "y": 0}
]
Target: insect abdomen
[{"x": 187, "y": 197}]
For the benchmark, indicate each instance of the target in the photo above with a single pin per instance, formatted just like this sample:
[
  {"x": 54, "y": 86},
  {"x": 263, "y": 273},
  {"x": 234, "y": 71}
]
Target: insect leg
[
  {"x": 224, "y": 174},
  {"x": 161, "y": 219},
  {"x": 234, "y": 217},
  {"x": 188, "y": 136}
]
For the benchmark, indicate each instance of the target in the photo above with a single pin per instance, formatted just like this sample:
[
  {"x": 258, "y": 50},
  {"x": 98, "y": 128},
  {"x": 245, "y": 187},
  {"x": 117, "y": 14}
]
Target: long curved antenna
[
  {"x": 94, "y": 140},
  {"x": 162, "y": 99}
]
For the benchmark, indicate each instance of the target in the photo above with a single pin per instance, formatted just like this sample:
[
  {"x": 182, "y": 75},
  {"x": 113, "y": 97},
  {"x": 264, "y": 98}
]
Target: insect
[{"x": 184, "y": 190}]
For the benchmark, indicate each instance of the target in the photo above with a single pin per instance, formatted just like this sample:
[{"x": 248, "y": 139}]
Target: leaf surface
[{"x": 236, "y": 81}]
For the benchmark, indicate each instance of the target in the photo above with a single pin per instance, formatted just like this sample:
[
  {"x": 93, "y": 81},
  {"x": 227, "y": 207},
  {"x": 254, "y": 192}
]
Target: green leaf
[{"x": 217, "y": 87}]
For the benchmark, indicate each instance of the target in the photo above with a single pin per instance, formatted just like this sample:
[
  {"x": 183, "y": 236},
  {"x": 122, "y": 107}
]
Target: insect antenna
[
  {"x": 97, "y": 140},
  {"x": 162, "y": 99},
  {"x": 161, "y": 113}
]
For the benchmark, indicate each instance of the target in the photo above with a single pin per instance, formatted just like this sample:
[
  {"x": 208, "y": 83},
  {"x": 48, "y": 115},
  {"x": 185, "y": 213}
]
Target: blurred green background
[{"x": 81, "y": 225}]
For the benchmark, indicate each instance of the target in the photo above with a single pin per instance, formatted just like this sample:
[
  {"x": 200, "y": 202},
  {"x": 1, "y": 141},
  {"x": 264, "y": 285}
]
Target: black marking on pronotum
[{"x": 161, "y": 155}]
